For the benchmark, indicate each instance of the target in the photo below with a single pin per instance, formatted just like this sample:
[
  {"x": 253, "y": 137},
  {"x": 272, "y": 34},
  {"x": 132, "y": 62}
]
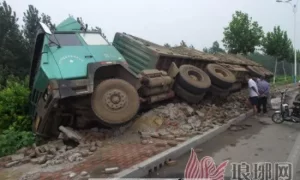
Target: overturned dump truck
[{"x": 79, "y": 79}]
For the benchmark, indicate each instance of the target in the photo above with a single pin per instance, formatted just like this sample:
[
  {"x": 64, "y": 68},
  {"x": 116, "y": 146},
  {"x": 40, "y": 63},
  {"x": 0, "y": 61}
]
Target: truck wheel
[
  {"x": 193, "y": 79},
  {"x": 187, "y": 96},
  {"x": 216, "y": 91},
  {"x": 115, "y": 101},
  {"x": 255, "y": 71},
  {"x": 220, "y": 76}
]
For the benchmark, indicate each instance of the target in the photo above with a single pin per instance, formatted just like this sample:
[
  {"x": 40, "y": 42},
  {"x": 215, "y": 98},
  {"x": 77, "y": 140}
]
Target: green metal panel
[
  {"x": 138, "y": 56},
  {"x": 68, "y": 24}
]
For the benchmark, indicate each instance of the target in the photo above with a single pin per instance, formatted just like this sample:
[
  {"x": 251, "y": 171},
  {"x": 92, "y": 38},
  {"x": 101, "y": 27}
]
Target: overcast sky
[{"x": 198, "y": 22}]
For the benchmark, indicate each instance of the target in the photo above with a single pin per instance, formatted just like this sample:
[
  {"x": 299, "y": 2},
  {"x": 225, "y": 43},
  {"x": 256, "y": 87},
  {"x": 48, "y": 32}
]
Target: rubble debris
[
  {"x": 72, "y": 174},
  {"x": 172, "y": 143},
  {"x": 70, "y": 133},
  {"x": 111, "y": 170},
  {"x": 75, "y": 157},
  {"x": 42, "y": 160},
  {"x": 144, "y": 142},
  {"x": 11, "y": 164},
  {"x": 99, "y": 144},
  {"x": 161, "y": 144},
  {"x": 93, "y": 148},
  {"x": 17, "y": 157},
  {"x": 84, "y": 173},
  {"x": 164, "y": 126}
]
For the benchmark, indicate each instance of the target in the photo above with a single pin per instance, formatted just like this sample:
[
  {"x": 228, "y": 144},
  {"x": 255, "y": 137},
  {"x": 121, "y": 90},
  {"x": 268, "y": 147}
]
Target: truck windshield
[
  {"x": 64, "y": 40},
  {"x": 93, "y": 39}
]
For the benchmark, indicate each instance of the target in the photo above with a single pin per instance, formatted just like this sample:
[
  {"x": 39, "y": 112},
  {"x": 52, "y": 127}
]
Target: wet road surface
[{"x": 261, "y": 141}]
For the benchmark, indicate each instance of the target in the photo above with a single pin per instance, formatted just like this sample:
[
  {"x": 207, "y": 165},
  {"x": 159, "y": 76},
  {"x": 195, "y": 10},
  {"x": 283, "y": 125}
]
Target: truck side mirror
[{"x": 45, "y": 28}]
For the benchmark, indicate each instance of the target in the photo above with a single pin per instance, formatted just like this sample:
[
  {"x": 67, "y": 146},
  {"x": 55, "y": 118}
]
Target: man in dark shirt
[{"x": 263, "y": 89}]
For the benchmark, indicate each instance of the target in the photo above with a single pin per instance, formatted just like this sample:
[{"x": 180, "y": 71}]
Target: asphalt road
[{"x": 261, "y": 141}]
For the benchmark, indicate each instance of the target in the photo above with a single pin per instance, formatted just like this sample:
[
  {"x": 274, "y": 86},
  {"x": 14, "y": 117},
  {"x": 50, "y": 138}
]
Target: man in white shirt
[{"x": 253, "y": 94}]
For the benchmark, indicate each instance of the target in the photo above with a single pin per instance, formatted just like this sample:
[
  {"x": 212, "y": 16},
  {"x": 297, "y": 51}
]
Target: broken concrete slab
[{"x": 70, "y": 133}]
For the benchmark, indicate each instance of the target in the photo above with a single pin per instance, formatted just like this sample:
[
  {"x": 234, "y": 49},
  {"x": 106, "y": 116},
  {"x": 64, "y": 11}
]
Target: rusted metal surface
[
  {"x": 194, "y": 53},
  {"x": 160, "y": 97},
  {"x": 233, "y": 67},
  {"x": 146, "y": 91},
  {"x": 234, "y": 59},
  {"x": 157, "y": 81},
  {"x": 173, "y": 70},
  {"x": 152, "y": 73}
]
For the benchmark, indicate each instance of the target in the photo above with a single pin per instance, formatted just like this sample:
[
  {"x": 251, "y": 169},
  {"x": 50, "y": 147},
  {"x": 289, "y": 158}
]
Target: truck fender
[{"x": 98, "y": 72}]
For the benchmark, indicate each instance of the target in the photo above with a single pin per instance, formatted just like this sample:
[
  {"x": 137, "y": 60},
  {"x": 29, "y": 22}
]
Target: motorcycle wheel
[{"x": 277, "y": 118}]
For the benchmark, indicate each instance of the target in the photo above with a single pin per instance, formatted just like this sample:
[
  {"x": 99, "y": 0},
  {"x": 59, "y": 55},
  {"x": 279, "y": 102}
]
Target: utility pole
[{"x": 295, "y": 50}]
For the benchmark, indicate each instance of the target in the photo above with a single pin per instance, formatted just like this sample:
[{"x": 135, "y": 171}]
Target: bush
[
  {"x": 11, "y": 141},
  {"x": 14, "y": 105}
]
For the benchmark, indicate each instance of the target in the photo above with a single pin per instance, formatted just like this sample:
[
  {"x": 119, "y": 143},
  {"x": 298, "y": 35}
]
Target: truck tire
[
  {"x": 216, "y": 91},
  {"x": 193, "y": 79},
  {"x": 220, "y": 76},
  {"x": 255, "y": 71},
  {"x": 115, "y": 101},
  {"x": 187, "y": 96}
]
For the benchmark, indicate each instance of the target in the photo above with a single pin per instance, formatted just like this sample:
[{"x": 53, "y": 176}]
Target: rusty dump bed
[{"x": 142, "y": 54}]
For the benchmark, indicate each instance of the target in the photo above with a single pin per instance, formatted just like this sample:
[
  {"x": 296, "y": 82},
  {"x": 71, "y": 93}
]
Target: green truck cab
[{"x": 67, "y": 69}]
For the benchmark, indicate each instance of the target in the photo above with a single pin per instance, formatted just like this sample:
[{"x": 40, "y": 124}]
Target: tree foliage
[
  {"x": 31, "y": 21},
  {"x": 183, "y": 44},
  {"x": 277, "y": 44},
  {"x": 46, "y": 19},
  {"x": 214, "y": 49},
  {"x": 13, "y": 47},
  {"x": 167, "y": 45},
  {"x": 242, "y": 34}
]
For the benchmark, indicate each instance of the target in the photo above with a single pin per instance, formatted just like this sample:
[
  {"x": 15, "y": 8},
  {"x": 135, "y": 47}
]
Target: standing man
[
  {"x": 253, "y": 94},
  {"x": 263, "y": 90}
]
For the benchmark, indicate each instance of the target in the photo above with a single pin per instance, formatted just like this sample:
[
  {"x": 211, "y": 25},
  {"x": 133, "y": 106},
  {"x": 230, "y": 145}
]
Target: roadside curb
[{"x": 142, "y": 169}]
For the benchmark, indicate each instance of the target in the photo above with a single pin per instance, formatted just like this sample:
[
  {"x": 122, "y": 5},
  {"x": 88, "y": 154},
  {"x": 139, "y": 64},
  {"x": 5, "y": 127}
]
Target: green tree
[
  {"x": 183, "y": 44},
  {"x": 278, "y": 45},
  {"x": 191, "y": 46},
  {"x": 167, "y": 45},
  {"x": 214, "y": 49},
  {"x": 46, "y": 19},
  {"x": 242, "y": 34},
  {"x": 31, "y": 21},
  {"x": 13, "y": 52}
]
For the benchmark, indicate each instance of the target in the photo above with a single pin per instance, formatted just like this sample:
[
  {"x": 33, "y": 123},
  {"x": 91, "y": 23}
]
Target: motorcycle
[{"x": 286, "y": 113}]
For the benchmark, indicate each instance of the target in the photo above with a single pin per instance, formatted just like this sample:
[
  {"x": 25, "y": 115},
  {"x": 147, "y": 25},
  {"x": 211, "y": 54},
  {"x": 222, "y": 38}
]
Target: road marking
[{"x": 295, "y": 154}]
